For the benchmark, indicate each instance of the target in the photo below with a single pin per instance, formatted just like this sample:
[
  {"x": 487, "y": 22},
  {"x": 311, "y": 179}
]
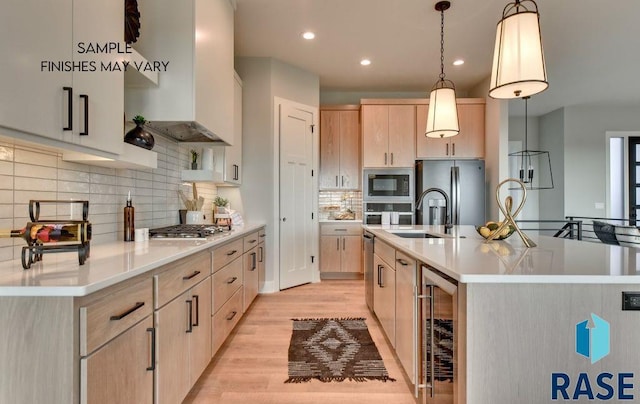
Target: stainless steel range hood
[{"x": 184, "y": 131}]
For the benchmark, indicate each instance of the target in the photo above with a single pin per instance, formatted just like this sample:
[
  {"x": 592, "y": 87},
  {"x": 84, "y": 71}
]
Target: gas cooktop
[{"x": 186, "y": 231}]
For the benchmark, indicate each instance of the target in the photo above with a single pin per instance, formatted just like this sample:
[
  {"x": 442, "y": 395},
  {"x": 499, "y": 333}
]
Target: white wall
[
  {"x": 496, "y": 145},
  {"x": 263, "y": 79},
  {"x": 551, "y": 139},
  {"x": 585, "y": 130}
]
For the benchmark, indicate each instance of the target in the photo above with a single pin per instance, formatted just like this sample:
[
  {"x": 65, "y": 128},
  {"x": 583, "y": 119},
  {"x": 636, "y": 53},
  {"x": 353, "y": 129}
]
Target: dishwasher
[{"x": 367, "y": 246}]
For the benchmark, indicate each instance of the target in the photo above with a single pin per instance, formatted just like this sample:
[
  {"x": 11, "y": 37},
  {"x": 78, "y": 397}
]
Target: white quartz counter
[
  {"x": 341, "y": 221},
  {"x": 465, "y": 256},
  {"x": 59, "y": 274}
]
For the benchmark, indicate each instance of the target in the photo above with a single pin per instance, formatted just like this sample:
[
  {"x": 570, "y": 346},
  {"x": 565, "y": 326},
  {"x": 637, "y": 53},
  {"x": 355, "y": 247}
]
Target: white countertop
[
  {"x": 465, "y": 256},
  {"x": 59, "y": 274}
]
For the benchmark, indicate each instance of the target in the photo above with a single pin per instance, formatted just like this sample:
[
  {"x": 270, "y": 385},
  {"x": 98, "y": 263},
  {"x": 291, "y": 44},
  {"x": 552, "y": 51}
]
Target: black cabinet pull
[
  {"x": 254, "y": 262},
  {"x": 126, "y": 313},
  {"x": 231, "y": 253},
  {"x": 253, "y": 241},
  {"x": 233, "y": 314},
  {"x": 86, "y": 115},
  {"x": 193, "y": 275},
  {"x": 261, "y": 254},
  {"x": 153, "y": 348},
  {"x": 379, "y": 275},
  {"x": 190, "y": 316},
  {"x": 196, "y": 299},
  {"x": 69, "y": 91},
  {"x": 230, "y": 281},
  {"x": 402, "y": 262}
]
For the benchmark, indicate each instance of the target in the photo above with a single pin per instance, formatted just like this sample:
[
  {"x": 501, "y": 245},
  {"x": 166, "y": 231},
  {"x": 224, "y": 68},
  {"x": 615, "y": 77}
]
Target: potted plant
[
  {"x": 194, "y": 159},
  {"x": 138, "y": 136},
  {"x": 220, "y": 203}
]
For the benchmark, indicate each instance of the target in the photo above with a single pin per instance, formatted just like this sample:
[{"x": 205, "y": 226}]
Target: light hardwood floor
[{"x": 251, "y": 366}]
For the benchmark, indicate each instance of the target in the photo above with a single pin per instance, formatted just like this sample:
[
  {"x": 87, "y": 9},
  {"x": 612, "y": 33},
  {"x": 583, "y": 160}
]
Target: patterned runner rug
[{"x": 334, "y": 349}]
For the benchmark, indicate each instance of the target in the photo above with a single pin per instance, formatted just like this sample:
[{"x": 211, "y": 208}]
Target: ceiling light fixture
[
  {"x": 442, "y": 118},
  {"x": 531, "y": 161},
  {"x": 458, "y": 62},
  {"x": 308, "y": 35},
  {"x": 518, "y": 59},
  {"x": 365, "y": 62}
]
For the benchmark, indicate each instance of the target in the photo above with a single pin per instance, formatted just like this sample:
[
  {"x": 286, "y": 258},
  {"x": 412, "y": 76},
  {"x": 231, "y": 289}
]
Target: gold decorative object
[{"x": 510, "y": 217}]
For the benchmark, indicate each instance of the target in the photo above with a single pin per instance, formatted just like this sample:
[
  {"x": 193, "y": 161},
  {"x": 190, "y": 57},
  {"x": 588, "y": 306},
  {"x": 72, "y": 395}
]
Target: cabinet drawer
[
  {"x": 262, "y": 234},
  {"x": 108, "y": 317},
  {"x": 225, "y": 254},
  {"x": 225, "y": 282},
  {"x": 385, "y": 251},
  {"x": 404, "y": 262},
  {"x": 342, "y": 229},
  {"x": 180, "y": 276},
  {"x": 250, "y": 241},
  {"x": 225, "y": 319}
]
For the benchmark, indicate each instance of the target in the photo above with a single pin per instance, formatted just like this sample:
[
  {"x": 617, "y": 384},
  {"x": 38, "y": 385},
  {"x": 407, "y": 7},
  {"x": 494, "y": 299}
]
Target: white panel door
[{"x": 296, "y": 196}]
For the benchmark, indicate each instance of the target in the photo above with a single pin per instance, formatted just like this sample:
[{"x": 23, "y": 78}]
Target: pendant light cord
[{"x": 442, "y": 45}]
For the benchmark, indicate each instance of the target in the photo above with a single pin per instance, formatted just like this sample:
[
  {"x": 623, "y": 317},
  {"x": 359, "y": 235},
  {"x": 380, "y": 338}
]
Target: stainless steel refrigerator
[{"x": 464, "y": 183}]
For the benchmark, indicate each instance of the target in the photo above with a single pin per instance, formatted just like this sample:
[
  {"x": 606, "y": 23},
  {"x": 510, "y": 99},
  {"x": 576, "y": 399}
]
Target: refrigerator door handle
[{"x": 455, "y": 195}]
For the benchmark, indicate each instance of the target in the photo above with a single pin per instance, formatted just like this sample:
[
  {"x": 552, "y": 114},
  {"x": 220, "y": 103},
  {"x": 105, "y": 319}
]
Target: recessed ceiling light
[
  {"x": 365, "y": 62},
  {"x": 458, "y": 62},
  {"x": 308, "y": 35}
]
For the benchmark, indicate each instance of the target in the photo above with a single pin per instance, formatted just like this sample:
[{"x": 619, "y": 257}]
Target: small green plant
[
  {"x": 139, "y": 120},
  {"x": 219, "y": 201},
  {"x": 194, "y": 156}
]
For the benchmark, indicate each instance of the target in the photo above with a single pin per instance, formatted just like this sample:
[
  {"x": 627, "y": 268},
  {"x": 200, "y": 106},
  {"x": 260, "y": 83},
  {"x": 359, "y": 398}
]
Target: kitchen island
[
  {"x": 138, "y": 322},
  {"x": 507, "y": 324}
]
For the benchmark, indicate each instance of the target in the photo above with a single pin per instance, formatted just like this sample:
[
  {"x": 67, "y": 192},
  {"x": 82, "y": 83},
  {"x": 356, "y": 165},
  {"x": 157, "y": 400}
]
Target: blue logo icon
[{"x": 593, "y": 341}]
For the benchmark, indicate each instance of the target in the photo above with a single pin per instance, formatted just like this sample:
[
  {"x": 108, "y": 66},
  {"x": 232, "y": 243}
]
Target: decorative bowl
[{"x": 489, "y": 227}]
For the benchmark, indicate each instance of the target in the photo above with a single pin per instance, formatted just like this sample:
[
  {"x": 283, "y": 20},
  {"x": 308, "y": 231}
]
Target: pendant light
[
  {"x": 518, "y": 59},
  {"x": 442, "y": 118},
  {"x": 534, "y": 166}
]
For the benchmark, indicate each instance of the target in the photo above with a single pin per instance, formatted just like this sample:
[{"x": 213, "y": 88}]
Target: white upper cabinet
[
  {"x": 195, "y": 40},
  {"x": 40, "y": 103}
]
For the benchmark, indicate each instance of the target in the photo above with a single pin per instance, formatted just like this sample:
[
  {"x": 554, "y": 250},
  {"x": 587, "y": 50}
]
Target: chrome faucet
[{"x": 447, "y": 222}]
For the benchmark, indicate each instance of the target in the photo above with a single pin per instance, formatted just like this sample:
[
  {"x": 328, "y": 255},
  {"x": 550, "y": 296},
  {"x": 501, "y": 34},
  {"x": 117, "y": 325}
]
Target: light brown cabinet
[
  {"x": 405, "y": 312},
  {"x": 341, "y": 247},
  {"x": 468, "y": 144},
  {"x": 122, "y": 370},
  {"x": 388, "y": 135},
  {"x": 384, "y": 295},
  {"x": 339, "y": 149},
  {"x": 261, "y": 259},
  {"x": 250, "y": 269},
  {"x": 183, "y": 326}
]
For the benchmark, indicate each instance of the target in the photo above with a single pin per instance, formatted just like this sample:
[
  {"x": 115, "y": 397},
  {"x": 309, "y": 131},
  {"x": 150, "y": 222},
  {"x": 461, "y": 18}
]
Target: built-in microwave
[{"x": 395, "y": 185}]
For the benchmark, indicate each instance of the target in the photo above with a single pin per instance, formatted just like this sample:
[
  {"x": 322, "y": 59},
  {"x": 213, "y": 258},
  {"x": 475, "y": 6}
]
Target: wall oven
[
  {"x": 439, "y": 339},
  {"x": 372, "y": 212},
  {"x": 395, "y": 184}
]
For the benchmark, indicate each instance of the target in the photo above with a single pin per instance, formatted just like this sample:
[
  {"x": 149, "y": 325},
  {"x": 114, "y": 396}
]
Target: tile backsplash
[
  {"x": 27, "y": 173},
  {"x": 335, "y": 201}
]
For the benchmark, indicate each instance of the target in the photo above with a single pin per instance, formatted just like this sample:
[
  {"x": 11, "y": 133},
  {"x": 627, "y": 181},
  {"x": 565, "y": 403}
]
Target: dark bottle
[{"x": 129, "y": 227}]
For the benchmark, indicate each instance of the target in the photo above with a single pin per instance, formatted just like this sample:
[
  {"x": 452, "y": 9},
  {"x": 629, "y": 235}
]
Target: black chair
[{"x": 605, "y": 232}]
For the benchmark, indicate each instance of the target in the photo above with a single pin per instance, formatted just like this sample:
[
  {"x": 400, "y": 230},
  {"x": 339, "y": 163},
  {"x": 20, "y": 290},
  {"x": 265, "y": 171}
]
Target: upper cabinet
[
  {"x": 54, "y": 88},
  {"x": 194, "y": 40},
  {"x": 468, "y": 144},
  {"x": 388, "y": 134},
  {"x": 340, "y": 148}
]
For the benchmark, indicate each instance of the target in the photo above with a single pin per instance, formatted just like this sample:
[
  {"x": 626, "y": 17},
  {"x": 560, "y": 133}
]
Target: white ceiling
[{"x": 592, "y": 49}]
